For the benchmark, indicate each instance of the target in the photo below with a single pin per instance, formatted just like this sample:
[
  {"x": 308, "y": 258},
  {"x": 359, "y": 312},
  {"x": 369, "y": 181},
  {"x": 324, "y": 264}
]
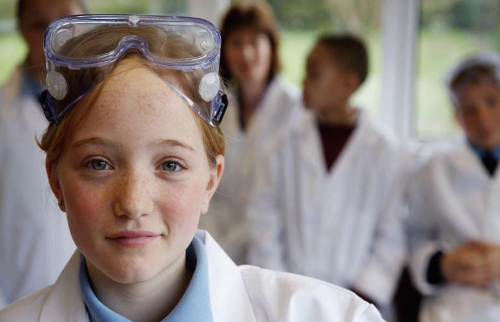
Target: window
[
  {"x": 449, "y": 31},
  {"x": 303, "y": 21}
]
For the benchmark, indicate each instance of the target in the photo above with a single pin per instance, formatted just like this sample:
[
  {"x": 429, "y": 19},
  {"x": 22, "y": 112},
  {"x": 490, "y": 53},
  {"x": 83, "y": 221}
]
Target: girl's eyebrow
[
  {"x": 101, "y": 142},
  {"x": 91, "y": 141},
  {"x": 171, "y": 142}
]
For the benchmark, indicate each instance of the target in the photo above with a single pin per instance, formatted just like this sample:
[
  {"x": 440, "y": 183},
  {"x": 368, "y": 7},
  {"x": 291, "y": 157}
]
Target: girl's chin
[{"x": 132, "y": 275}]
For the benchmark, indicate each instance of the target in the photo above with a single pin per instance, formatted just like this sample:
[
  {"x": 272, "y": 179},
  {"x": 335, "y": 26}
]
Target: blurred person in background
[
  {"x": 262, "y": 104},
  {"x": 34, "y": 239},
  {"x": 326, "y": 199},
  {"x": 454, "y": 205}
]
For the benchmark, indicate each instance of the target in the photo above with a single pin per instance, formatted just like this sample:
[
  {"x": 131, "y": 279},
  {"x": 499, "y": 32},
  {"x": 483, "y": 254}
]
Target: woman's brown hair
[
  {"x": 105, "y": 39},
  {"x": 259, "y": 16}
]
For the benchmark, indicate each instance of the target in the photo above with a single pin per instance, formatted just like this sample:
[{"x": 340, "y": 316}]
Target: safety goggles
[{"x": 82, "y": 50}]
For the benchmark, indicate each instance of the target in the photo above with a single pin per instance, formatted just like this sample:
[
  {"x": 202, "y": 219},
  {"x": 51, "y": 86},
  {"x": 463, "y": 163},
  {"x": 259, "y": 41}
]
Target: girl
[{"x": 134, "y": 155}]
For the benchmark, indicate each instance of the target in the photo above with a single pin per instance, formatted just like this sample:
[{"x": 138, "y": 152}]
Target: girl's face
[
  {"x": 248, "y": 54},
  {"x": 134, "y": 177},
  {"x": 478, "y": 112}
]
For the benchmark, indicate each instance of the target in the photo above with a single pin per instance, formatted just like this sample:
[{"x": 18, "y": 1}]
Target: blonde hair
[{"x": 105, "y": 39}]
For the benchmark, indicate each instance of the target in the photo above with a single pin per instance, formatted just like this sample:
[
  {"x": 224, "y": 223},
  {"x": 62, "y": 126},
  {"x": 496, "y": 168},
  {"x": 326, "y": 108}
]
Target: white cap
[{"x": 485, "y": 58}]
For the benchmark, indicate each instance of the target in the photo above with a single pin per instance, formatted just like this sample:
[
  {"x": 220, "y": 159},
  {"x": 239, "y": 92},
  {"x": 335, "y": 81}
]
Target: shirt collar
[
  {"x": 481, "y": 152},
  {"x": 193, "y": 306}
]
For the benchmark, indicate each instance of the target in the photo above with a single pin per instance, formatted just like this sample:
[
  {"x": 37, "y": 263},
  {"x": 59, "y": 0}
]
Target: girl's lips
[
  {"x": 133, "y": 238},
  {"x": 133, "y": 234}
]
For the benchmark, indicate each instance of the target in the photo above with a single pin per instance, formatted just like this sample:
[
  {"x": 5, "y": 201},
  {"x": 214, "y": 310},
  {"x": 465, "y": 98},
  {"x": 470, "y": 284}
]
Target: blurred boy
[
  {"x": 454, "y": 203},
  {"x": 35, "y": 243},
  {"x": 326, "y": 201}
]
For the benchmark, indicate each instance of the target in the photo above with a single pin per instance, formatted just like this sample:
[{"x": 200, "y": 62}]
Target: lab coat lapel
[
  {"x": 231, "y": 123},
  {"x": 491, "y": 219},
  {"x": 310, "y": 150},
  {"x": 481, "y": 215},
  {"x": 256, "y": 128},
  {"x": 461, "y": 171},
  {"x": 228, "y": 295},
  {"x": 359, "y": 137},
  {"x": 468, "y": 164},
  {"x": 65, "y": 302},
  {"x": 332, "y": 189},
  {"x": 310, "y": 181}
]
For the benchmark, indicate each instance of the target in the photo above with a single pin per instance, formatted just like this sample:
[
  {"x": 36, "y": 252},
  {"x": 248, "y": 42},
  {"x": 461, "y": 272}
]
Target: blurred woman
[{"x": 261, "y": 105}]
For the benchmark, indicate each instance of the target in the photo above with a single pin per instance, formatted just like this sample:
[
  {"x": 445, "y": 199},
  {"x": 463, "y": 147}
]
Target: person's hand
[
  {"x": 476, "y": 263},
  {"x": 492, "y": 258}
]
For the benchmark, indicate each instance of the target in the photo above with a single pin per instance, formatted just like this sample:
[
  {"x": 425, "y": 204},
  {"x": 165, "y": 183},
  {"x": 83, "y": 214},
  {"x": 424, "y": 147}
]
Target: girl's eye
[
  {"x": 98, "y": 165},
  {"x": 171, "y": 166}
]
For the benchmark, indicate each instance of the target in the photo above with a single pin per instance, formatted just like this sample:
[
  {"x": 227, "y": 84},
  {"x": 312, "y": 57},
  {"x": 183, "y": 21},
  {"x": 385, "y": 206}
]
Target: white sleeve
[
  {"x": 370, "y": 315},
  {"x": 378, "y": 280},
  {"x": 421, "y": 231},
  {"x": 263, "y": 214}
]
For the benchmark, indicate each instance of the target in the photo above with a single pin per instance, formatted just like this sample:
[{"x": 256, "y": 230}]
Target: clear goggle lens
[{"x": 82, "y": 50}]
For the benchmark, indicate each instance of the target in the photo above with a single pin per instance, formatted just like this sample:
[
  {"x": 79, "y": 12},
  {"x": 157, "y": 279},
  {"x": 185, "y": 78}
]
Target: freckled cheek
[
  {"x": 85, "y": 208},
  {"x": 181, "y": 208}
]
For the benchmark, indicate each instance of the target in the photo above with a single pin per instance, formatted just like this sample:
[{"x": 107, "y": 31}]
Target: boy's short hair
[
  {"x": 479, "y": 68},
  {"x": 349, "y": 52}
]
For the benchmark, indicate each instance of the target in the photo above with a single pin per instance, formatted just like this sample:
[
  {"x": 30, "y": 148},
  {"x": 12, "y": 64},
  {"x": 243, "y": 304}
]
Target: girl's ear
[
  {"x": 54, "y": 185},
  {"x": 213, "y": 182}
]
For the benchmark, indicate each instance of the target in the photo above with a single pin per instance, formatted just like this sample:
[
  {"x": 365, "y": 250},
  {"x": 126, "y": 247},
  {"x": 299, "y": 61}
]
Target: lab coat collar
[
  {"x": 268, "y": 101},
  {"x": 65, "y": 302},
  {"x": 228, "y": 295},
  {"x": 272, "y": 95},
  {"x": 466, "y": 160},
  {"x": 309, "y": 141}
]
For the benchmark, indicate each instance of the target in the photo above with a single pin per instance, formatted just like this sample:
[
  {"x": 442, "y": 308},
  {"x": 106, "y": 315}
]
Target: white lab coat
[
  {"x": 225, "y": 220},
  {"x": 237, "y": 294},
  {"x": 341, "y": 226},
  {"x": 452, "y": 200},
  {"x": 35, "y": 243}
]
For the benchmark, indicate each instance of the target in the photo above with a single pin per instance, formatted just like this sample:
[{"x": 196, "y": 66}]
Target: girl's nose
[{"x": 133, "y": 197}]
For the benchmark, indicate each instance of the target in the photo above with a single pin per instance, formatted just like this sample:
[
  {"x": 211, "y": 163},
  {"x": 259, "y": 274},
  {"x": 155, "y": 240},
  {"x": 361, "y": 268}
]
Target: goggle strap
[
  {"x": 222, "y": 103},
  {"x": 48, "y": 105},
  {"x": 49, "y": 109}
]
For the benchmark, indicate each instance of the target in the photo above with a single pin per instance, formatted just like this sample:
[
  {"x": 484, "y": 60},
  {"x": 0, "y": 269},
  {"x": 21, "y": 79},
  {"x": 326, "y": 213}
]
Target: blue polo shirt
[
  {"x": 481, "y": 152},
  {"x": 193, "y": 306}
]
